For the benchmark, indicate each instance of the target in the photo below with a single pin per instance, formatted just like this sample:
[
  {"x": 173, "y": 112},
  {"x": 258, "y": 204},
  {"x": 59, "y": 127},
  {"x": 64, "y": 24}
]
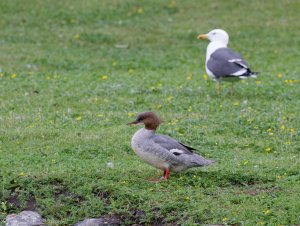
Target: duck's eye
[{"x": 139, "y": 119}]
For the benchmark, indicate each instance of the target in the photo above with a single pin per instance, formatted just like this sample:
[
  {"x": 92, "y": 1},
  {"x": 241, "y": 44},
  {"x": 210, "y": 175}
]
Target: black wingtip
[{"x": 188, "y": 147}]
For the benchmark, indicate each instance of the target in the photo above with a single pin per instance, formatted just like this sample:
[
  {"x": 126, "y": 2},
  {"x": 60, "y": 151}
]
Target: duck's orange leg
[
  {"x": 167, "y": 173},
  {"x": 165, "y": 177}
]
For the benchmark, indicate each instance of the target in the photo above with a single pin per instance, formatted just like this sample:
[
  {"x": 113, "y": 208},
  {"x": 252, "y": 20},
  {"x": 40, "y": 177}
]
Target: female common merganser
[
  {"x": 221, "y": 62},
  {"x": 160, "y": 151}
]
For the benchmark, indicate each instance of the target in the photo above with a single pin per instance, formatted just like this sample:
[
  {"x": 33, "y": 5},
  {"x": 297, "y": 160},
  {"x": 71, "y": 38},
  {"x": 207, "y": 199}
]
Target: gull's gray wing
[{"x": 225, "y": 62}]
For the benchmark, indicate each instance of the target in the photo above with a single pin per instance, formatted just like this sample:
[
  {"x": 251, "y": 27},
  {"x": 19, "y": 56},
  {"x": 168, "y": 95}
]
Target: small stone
[
  {"x": 90, "y": 222},
  {"x": 25, "y": 218},
  {"x": 102, "y": 221}
]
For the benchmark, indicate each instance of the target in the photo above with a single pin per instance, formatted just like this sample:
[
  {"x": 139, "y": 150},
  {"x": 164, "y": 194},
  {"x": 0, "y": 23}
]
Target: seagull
[
  {"x": 161, "y": 151},
  {"x": 221, "y": 62}
]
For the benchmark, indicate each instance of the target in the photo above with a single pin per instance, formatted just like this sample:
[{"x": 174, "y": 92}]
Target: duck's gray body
[{"x": 164, "y": 152}]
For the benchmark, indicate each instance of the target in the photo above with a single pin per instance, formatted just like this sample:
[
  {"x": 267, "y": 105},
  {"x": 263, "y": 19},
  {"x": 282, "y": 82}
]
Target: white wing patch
[
  {"x": 240, "y": 72},
  {"x": 176, "y": 151},
  {"x": 252, "y": 76},
  {"x": 239, "y": 62},
  {"x": 234, "y": 60}
]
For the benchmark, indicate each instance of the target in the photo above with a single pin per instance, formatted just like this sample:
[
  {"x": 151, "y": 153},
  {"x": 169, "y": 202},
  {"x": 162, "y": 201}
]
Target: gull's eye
[{"x": 214, "y": 33}]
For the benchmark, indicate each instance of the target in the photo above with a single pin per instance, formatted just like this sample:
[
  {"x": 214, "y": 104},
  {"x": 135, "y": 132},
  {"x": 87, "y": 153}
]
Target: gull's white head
[{"x": 216, "y": 35}]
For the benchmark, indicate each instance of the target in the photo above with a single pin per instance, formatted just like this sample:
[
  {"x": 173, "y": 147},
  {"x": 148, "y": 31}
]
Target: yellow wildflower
[
  {"x": 173, "y": 122},
  {"x": 140, "y": 10},
  {"x": 268, "y": 149},
  {"x": 261, "y": 223},
  {"x": 1, "y": 74},
  {"x": 22, "y": 174},
  {"x": 246, "y": 162},
  {"x": 189, "y": 77},
  {"x": 100, "y": 115},
  {"x": 290, "y": 81},
  {"x": 292, "y": 130},
  {"x": 130, "y": 114},
  {"x": 279, "y": 75},
  {"x": 258, "y": 82},
  {"x": 78, "y": 118},
  {"x": 76, "y": 36},
  {"x": 131, "y": 71},
  {"x": 205, "y": 77},
  {"x": 225, "y": 219},
  {"x": 282, "y": 127},
  {"x": 14, "y": 75},
  {"x": 169, "y": 98},
  {"x": 270, "y": 132},
  {"x": 32, "y": 125},
  {"x": 267, "y": 211},
  {"x": 190, "y": 108},
  {"x": 172, "y": 4},
  {"x": 104, "y": 77},
  {"x": 236, "y": 103}
]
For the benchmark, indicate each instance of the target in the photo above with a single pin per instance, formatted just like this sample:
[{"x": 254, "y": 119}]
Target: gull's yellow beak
[{"x": 203, "y": 36}]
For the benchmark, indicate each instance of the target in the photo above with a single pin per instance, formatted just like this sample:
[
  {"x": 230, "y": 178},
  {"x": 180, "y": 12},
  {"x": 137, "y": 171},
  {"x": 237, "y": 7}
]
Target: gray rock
[
  {"x": 25, "y": 218},
  {"x": 89, "y": 222},
  {"x": 103, "y": 221}
]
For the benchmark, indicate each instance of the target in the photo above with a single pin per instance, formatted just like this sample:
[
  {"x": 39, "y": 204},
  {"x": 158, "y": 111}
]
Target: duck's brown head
[{"x": 149, "y": 119}]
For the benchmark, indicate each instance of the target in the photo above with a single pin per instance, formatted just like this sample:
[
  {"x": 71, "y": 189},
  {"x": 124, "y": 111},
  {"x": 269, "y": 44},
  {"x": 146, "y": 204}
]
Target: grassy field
[{"x": 73, "y": 73}]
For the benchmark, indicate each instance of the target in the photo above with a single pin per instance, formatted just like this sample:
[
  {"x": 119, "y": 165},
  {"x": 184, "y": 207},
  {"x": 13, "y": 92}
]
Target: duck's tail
[{"x": 200, "y": 161}]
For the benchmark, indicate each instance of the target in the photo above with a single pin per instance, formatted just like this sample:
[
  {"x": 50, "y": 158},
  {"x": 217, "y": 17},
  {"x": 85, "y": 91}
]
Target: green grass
[{"x": 67, "y": 91}]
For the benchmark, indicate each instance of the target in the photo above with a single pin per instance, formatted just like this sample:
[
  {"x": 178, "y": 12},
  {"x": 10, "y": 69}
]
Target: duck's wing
[
  {"x": 176, "y": 153},
  {"x": 225, "y": 62},
  {"x": 172, "y": 145}
]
